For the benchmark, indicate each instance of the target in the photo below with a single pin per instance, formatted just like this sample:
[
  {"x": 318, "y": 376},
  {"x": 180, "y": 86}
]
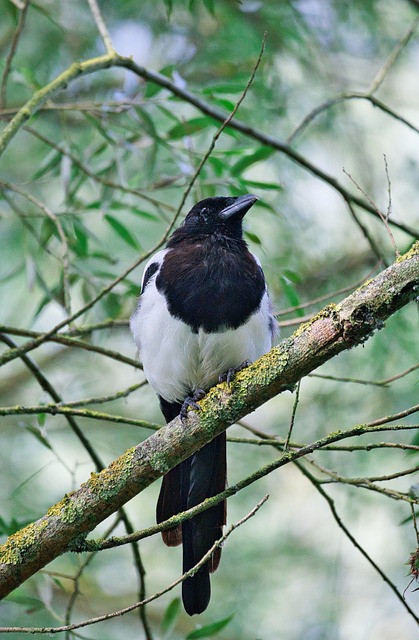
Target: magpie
[{"x": 203, "y": 313}]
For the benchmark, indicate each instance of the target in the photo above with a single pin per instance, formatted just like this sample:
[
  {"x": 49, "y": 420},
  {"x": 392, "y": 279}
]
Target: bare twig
[
  {"x": 327, "y": 296},
  {"x": 365, "y": 232},
  {"x": 293, "y": 414},
  {"x": 121, "y": 612},
  {"x": 64, "y": 244},
  {"x": 78, "y": 344},
  {"x": 101, "y": 26},
  {"x": 354, "y": 541},
  {"x": 400, "y": 375},
  {"x": 382, "y": 73},
  {"x": 8, "y": 65},
  {"x": 352, "y": 380},
  {"x": 376, "y": 383},
  {"x": 66, "y": 410},
  {"x": 384, "y": 218}
]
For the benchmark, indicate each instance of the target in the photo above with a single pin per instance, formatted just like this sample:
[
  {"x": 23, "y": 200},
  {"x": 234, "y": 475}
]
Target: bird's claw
[
  {"x": 191, "y": 402},
  {"x": 230, "y": 374}
]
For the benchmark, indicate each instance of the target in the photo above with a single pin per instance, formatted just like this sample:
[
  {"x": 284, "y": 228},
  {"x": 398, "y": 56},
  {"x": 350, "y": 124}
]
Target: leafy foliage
[{"x": 91, "y": 184}]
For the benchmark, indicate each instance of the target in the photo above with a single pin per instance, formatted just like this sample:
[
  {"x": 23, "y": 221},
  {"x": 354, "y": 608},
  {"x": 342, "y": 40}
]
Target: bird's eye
[{"x": 204, "y": 214}]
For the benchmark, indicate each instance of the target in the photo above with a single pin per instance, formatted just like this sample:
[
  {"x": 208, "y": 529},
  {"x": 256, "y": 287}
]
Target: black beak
[{"x": 240, "y": 206}]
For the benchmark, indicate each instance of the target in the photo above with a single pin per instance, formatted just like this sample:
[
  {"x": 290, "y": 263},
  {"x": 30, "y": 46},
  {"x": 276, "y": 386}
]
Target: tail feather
[
  {"x": 204, "y": 476},
  {"x": 169, "y": 505},
  {"x": 201, "y": 476}
]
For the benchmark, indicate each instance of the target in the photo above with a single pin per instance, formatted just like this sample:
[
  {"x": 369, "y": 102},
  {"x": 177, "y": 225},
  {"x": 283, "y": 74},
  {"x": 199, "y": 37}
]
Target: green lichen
[
  {"x": 107, "y": 484},
  {"x": 158, "y": 462},
  {"x": 412, "y": 253},
  {"x": 68, "y": 509},
  {"x": 17, "y": 545}
]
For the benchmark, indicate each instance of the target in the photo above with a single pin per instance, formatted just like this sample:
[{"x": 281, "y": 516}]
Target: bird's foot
[
  {"x": 192, "y": 402},
  {"x": 230, "y": 374}
]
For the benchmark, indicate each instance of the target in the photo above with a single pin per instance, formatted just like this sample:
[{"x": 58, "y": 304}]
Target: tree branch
[{"x": 335, "y": 329}]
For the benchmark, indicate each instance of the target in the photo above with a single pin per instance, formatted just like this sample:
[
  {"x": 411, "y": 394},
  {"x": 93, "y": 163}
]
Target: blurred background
[{"x": 90, "y": 185}]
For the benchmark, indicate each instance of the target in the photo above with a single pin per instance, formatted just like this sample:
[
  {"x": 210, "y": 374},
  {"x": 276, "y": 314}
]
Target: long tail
[{"x": 201, "y": 476}]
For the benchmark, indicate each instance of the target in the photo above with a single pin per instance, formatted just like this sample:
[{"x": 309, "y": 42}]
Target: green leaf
[
  {"x": 210, "y": 5},
  {"x": 39, "y": 436},
  {"x": 48, "y": 229},
  {"x": 218, "y": 165},
  {"x": 223, "y": 88},
  {"x": 170, "y": 616},
  {"x": 50, "y": 161},
  {"x": 122, "y": 231},
  {"x": 143, "y": 214},
  {"x": 122, "y": 206},
  {"x": 148, "y": 123},
  {"x": 263, "y": 185},
  {"x": 41, "y": 419},
  {"x": 112, "y": 305},
  {"x": 210, "y": 629},
  {"x": 169, "y": 7},
  {"x": 30, "y": 604},
  {"x": 228, "y": 105},
  {"x": 253, "y": 237},
  {"x": 81, "y": 246},
  {"x": 189, "y": 127},
  {"x": 244, "y": 163},
  {"x": 291, "y": 294},
  {"x": 98, "y": 125}
]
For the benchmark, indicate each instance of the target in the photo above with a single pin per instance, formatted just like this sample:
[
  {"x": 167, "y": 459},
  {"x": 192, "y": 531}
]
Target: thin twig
[
  {"x": 400, "y": 375},
  {"x": 293, "y": 414},
  {"x": 74, "y": 343},
  {"x": 65, "y": 410},
  {"x": 384, "y": 218},
  {"x": 352, "y": 380},
  {"x": 353, "y": 540},
  {"x": 382, "y": 73},
  {"x": 64, "y": 244},
  {"x": 267, "y": 440},
  {"x": 365, "y": 232},
  {"x": 121, "y": 612},
  {"x": 327, "y": 296},
  {"x": 101, "y": 26},
  {"x": 376, "y": 383},
  {"x": 8, "y": 64},
  {"x": 124, "y": 393},
  {"x": 287, "y": 457},
  {"x": 366, "y": 483},
  {"x": 76, "y": 578}
]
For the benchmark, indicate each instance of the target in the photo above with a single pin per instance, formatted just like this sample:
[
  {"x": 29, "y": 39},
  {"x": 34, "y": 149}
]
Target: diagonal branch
[{"x": 335, "y": 329}]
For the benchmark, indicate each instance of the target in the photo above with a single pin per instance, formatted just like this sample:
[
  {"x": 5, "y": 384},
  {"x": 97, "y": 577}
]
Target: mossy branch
[{"x": 335, "y": 329}]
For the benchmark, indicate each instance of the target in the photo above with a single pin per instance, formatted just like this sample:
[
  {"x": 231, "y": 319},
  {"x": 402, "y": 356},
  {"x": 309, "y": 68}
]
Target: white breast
[{"x": 177, "y": 361}]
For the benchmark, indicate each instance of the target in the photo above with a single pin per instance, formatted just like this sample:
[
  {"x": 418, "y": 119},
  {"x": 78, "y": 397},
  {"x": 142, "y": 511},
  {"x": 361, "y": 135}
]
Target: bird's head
[{"x": 219, "y": 214}]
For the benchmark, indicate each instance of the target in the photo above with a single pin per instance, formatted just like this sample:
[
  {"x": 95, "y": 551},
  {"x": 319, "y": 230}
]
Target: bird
[{"x": 203, "y": 313}]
